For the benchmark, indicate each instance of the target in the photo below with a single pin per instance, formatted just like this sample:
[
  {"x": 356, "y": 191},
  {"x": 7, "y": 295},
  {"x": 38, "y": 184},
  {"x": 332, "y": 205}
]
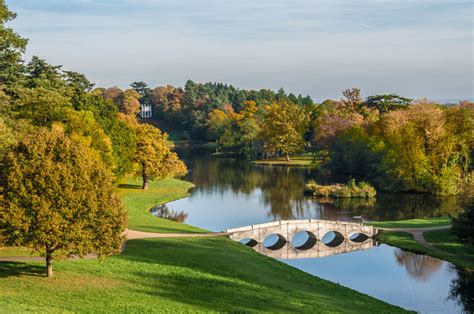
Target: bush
[
  {"x": 351, "y": 189},
  {"x": 463, "y": 226}
]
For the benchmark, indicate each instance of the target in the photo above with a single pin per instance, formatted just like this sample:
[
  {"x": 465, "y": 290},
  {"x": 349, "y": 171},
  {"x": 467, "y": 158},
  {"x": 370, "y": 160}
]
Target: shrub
[
  {"x": 463, "y": 226},
  {"x": 351, "y": 189}
]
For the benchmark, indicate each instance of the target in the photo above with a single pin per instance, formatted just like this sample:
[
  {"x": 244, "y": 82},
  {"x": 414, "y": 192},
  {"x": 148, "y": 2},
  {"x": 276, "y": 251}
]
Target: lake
[{"x": 232, "y": 193}]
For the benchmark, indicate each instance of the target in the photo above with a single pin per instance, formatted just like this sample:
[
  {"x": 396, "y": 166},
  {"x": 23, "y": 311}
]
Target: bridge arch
[
  {"x": 358, "y": 237},
  {"x": 308, "y": 242},
  {"x": 249, "y": 242},
  {"x": 274, "y": 241},
  {"x": 333, "y": 239}
]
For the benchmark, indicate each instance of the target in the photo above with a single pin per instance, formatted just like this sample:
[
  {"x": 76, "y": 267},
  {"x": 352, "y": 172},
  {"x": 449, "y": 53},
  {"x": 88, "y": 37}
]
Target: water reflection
[
  {"x": 462, "y": 289},
  {"x": 163, "y": 211},
  {"x": 277, "y": 193},
  {"x": 420, "y": 267},
  {"x": 379, "y": 273}
]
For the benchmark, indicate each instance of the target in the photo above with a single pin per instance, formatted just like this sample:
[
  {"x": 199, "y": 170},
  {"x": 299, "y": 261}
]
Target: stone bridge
[{"x": 347, "y": 237}]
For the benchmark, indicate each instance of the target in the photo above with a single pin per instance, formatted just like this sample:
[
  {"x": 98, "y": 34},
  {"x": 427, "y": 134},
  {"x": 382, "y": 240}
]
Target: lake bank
[{"x": 441, "y": 244}]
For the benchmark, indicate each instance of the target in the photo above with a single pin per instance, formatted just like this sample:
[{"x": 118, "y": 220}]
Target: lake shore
[{"x": 442, "y": 244}]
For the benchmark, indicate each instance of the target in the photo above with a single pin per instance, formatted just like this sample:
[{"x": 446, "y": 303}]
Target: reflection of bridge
[{"x": 346, "y": 237}]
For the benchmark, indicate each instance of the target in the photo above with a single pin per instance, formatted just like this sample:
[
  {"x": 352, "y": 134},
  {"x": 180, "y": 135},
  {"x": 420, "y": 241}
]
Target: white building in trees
[{"x": 145, "y": 111}]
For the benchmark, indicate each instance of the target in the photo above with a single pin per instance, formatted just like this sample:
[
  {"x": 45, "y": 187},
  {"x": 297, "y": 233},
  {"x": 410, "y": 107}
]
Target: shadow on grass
[
  {"x": 130, "y": 186},
  {"x": 15, "y": 269},
  {"x": 220, "y": 275}
]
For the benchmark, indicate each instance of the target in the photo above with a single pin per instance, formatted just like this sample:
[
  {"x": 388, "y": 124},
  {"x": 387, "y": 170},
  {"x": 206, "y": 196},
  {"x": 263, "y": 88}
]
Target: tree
[
  {"x": 463, "y": 225},
  {"x": 283, "y": 128},
  {"x": 142, "y": 89},
  {"x": 130, "y": 102},
  {"x": 12, "y": 47},
  {"x": 352, "y": 98},
  {"x": 153, "y": 157},
  {"x": 57, "y": 197},
  {"x": 385, "y": 103}
]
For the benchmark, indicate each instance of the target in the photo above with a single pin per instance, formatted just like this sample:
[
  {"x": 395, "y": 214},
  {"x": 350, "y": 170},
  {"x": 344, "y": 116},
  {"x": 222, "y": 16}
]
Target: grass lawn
[
  {"x": 295, "y": 161},
  {"x": 175, "y": 275},
  {"x": 15, "y": 251},
  {"x": 413, "y": 223},
  {"x": 138, "y": 204}
]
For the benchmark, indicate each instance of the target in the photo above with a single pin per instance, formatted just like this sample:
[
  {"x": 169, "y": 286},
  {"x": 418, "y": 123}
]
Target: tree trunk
[
  {"x": 287, "y": 157},
  {"x": 145, "y": 177},
  {"x": 49, "y": 264}
]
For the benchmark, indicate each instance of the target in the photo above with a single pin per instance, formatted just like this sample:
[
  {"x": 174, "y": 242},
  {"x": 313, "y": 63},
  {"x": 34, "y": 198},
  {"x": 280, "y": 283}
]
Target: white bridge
[{"x": 347, "y": 237}]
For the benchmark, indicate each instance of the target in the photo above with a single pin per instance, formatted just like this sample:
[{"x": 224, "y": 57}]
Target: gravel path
[
  {"x": 130, "y": 234},
  {"x": 418, "y": 236}
]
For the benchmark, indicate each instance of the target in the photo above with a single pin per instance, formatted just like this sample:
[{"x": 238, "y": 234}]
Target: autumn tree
[
  {"x": 130, "y": 102},
  {"x": 283, "y": 128},
  {"x": 58, "y": 199},
  {"x": 153, "y": 157}
]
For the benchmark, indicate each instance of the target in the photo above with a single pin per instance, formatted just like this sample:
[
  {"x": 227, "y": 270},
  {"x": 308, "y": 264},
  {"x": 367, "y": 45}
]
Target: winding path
[
  {"x": 130, "y": 234},
  {"x": 418, "y": 236}
]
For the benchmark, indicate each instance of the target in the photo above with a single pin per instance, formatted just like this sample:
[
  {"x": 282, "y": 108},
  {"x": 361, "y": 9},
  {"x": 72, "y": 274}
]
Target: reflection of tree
[
  {"x": 462, "y": 290},
  {"x": 163, "y": 211},
  {"x": 282, "y": 191},
  {"x": 420, "y": 267}
]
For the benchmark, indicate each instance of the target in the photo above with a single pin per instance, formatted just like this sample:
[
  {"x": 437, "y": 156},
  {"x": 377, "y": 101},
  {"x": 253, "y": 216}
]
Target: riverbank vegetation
[
  {"x": 396, "y": 143},
  {"x": 349, "y": 190}
]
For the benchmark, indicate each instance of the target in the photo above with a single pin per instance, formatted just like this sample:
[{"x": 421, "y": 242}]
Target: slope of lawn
[
  {"x": 177, "y": 275},
  {"x": 139, "y": 202},
  {"x": 413, "y": 223}
]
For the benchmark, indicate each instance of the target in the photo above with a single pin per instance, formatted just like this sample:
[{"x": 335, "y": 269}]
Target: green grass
[
  {"x": 16, "y": 251},
  {"x": 138, "y": 204},
  {"x": 413, "y": 223},
  {"x": 175, "y": 275},
  {"x": 295, "y": 161},
  {"x": 443, "y": 240},
  {"x": 178, "y": 275}
]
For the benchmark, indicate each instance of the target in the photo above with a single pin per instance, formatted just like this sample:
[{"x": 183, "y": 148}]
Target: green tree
[
  {"x": 385, "y": 103},
  {"x": 284, "y": 127},
  {"x": 153, "y": 157},
  {"x": 463, "y": 225},
  {"x": 57, "y": 197},
  {"x": 12, "y": 47}
]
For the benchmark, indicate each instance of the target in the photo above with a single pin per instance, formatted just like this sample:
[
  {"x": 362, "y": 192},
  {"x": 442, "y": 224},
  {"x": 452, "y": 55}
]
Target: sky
[{"x": 415, "y": 48}]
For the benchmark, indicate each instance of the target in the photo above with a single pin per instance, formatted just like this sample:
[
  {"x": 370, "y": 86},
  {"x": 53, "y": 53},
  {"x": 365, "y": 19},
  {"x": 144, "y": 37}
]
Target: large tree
[
  {"x": 284, "y": 127},
  {"x": 58, "y": 199},
  {"x": 153, "y": 157}
]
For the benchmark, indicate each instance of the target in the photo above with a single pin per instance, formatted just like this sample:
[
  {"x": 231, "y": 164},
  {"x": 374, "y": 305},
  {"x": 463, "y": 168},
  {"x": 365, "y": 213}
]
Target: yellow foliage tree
[
  {"x": 153, "y": 157},
  {"x": 283, "y": 128},
  {"x": 57, "y": 198}
]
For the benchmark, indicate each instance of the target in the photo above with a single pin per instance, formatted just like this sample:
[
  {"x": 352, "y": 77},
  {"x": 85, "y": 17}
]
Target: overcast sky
[{"x": 318, "y": 47}]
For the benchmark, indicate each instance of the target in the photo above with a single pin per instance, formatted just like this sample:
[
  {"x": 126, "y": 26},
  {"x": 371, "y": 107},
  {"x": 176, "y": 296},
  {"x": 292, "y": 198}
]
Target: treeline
[
  {"x": 188, "y": 108},
  {"x": 396, "y": 143}
]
